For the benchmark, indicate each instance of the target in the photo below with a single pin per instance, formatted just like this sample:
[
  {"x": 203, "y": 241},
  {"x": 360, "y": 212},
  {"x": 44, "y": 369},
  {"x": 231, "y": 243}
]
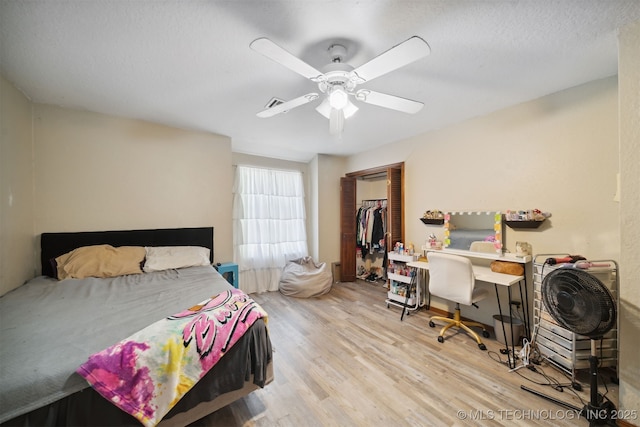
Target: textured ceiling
[{"x": 188, "y": 63}]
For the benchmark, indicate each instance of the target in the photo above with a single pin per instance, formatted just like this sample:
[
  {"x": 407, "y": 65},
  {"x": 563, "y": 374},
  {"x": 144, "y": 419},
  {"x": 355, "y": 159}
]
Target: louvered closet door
[
  {"x": 395, "y": 206},
  {"x": 348, "y": 229}
]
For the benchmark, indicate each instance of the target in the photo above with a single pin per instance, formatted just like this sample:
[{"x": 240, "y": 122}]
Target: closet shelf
[{"x": 432, "y": 221}]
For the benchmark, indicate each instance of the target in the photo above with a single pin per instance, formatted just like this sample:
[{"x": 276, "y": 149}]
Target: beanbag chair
[{"x": 303, "y": 278}]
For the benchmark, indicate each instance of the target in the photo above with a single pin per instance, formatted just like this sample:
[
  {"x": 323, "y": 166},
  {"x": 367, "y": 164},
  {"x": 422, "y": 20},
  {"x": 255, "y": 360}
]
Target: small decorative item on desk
[
  {"x": 523, "y": 249},
  {"x": 433, "y": 242}
]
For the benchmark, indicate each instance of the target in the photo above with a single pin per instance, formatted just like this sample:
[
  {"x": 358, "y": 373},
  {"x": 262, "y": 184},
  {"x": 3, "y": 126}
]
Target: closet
[
  {"x": 351, "y": 202},
  {"x": 371, "y": 231}
]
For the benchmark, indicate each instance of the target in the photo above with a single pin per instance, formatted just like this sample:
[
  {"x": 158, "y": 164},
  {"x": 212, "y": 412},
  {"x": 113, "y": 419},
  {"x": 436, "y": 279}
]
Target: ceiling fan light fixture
[
  {"x": 349, "y": 110},
  {"x": 325, "y": 109},
  {"x": 338, "y": 98}
]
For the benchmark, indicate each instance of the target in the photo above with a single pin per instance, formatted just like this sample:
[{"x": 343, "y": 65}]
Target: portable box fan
[{"x": 581, "y": 303}]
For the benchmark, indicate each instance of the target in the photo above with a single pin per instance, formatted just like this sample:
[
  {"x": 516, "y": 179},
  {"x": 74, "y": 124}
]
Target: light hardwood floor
[{"x": 345, "y": 359}]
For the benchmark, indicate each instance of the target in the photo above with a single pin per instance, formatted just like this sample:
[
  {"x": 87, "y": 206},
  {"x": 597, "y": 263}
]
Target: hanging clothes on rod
[{"x": 371, "y": 220}]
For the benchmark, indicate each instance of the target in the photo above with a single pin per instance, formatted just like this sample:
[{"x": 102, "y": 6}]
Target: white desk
[
  {"x": 486, "y": 255},
  {"x": 481, "y": 273},
  {"x": 484, "y": 274}
]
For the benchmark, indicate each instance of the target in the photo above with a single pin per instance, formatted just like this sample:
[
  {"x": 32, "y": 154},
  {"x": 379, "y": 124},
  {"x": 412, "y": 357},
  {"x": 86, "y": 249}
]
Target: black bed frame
[{"x": 55, "y": 244}]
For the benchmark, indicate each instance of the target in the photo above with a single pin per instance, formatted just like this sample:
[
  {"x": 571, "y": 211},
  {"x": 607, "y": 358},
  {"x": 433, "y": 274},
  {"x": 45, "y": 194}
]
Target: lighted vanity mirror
[{"x": 473, "y": 231}]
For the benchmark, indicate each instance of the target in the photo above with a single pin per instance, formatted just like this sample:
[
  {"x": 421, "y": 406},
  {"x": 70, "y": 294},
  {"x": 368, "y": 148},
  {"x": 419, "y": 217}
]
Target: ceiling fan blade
[
  {"x": 398, "y": 56},
  {"x": 274, "y": 52},
  {"x": 286, "y": 106},
  {"x": 389, "y": 101},
  {"x": 336, "y": 122}
]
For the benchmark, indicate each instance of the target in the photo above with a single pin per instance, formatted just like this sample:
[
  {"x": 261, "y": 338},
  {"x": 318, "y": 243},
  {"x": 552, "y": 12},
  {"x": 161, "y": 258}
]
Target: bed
[{"x": 49, "y": 328}]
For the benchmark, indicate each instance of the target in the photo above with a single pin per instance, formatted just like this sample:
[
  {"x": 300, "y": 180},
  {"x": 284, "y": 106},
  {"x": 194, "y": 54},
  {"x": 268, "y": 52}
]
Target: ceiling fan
[{"x": 339, "y": 81}]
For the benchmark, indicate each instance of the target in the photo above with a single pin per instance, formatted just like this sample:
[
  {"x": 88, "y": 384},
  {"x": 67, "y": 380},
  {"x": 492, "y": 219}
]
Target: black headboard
[{"x": 53, "y": 245}]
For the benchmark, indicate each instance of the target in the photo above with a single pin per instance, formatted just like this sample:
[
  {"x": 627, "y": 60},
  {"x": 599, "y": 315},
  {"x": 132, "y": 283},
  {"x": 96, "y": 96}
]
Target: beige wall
[
  {"x": 629, "y": 81},
  {"x": 314, "y": 208},
  {"x": 330, "y": 169},
  {"x": 98, "y": 172},
  {"x": 375, "y": 188},
  {"x": 17, "y": 257},
  {"x": 558, "y": 154}
]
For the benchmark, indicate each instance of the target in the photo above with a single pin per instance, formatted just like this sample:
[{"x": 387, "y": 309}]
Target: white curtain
[{"x": 268, "y": 225}]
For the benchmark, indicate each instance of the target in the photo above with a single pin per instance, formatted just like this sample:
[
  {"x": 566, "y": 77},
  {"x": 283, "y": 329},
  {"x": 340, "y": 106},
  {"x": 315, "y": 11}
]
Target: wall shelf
[
  {"x": 432, "y": 221},
  {"x": 524, "y": 224}
]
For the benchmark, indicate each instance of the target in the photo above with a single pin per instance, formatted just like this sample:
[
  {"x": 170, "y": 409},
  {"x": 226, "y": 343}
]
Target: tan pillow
[{"x": 100, "y": 261}]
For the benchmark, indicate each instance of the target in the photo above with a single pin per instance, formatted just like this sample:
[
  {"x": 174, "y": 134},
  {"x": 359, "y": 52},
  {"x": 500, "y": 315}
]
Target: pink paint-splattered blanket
[{"x": 146, "y": 374}]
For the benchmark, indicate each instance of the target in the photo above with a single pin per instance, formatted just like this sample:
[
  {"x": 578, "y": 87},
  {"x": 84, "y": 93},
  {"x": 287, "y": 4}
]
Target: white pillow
[{"x": 160, "y": 258}]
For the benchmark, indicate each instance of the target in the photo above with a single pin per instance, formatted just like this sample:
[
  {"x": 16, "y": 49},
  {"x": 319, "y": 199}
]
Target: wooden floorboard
[{"x": 345, "y": 359}]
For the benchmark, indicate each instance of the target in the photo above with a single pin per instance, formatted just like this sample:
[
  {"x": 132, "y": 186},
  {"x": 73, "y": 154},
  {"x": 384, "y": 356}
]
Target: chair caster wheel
[
  {"x": 485, "y": 334},
  {"x": 482, "y": 346},
  {"x": 441, "y": 339},
  {"x": 433, "y": 325}
]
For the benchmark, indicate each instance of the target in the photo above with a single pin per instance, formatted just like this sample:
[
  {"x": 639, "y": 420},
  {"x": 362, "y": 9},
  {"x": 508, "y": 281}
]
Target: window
[{"x": 269, "y": 226}]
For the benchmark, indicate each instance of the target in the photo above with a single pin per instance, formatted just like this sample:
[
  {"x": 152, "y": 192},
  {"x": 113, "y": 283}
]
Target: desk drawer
[
  {"x": 553, "y": 356},
  {"x": 546, "y": 321},
  {"x": 542, "y": 314},
  {"x": 605, "y": 275},
  {"x": 583, "y": 348},
  {"x": 546, "y": 325},
  {"x": 567, "y": 365},
  {"x": 565, "y": 339}
]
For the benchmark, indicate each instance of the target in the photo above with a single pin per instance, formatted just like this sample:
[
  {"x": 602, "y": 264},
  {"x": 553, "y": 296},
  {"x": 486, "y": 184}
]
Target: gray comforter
[{"x": 49, "y": 327}]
